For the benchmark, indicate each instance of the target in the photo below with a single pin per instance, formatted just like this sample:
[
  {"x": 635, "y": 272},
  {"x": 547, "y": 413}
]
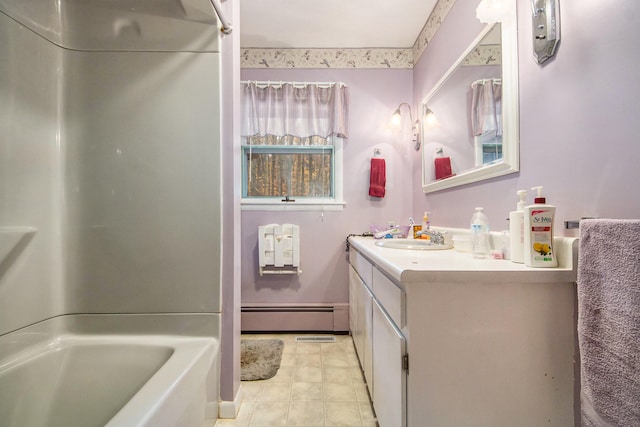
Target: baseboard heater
[{"x": 257, "y": 317}]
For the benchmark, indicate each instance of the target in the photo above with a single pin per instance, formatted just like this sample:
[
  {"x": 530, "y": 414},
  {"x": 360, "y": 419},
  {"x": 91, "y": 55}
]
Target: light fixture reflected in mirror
[
  {"x": 430, "y": 119},
  {"x": 490, "y": 11},
  {"x": 396, "y": 121}
]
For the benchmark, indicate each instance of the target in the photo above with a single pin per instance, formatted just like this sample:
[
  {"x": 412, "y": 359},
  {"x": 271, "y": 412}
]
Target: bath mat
[{"x": 260, "y": 359}]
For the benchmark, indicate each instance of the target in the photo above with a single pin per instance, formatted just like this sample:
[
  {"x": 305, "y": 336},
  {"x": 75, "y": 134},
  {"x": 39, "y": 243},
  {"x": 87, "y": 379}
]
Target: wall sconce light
[
  {"x": 546, "y": 28},
  {"x": 396, "y": 121}
]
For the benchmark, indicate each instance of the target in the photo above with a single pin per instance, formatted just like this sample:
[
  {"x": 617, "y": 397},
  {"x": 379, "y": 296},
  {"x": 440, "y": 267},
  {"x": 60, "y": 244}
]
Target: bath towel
[
  {"x": 377, "y": 178},
  {"x": 609, "y": 322}
]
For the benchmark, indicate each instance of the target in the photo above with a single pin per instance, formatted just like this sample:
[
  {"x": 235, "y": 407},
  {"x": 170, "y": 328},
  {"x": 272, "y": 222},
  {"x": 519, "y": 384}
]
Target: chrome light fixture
[
  {"x": 546, "y": 28},
  {"x": 396, "y": 121},
  {"x": 545, "y": 22}
]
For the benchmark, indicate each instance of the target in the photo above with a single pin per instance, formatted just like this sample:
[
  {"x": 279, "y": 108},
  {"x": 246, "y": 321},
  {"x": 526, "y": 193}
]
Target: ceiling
[{"x": 332, "y": 23}]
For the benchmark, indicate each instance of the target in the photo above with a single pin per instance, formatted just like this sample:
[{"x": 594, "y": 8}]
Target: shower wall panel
[
  {"x": 142, "y": 181},
  {"x": 30, "y": 274}
]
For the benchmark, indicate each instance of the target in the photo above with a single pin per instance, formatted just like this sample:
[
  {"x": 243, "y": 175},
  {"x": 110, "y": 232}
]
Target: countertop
[{"x": 420, "y": 266}]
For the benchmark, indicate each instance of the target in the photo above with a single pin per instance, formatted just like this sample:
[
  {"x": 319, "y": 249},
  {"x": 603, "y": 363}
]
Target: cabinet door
[
  {"x": 365, "y": 320},
  {"x": 390, "y": 387},
  {"x": 355, "y": 312}
]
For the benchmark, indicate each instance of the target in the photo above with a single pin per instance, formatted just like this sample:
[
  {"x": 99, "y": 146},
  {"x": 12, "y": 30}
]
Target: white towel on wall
[{"x": 609, "y": 322}]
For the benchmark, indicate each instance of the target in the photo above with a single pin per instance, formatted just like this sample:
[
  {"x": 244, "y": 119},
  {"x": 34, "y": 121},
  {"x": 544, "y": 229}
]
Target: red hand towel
[
  {"x": 443, "y": 167},
  {"x": 377, "y": 178}
]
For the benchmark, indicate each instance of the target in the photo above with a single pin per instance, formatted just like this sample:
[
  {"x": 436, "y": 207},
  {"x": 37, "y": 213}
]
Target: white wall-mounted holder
[
  {"x": 546, "y": 28},
  {"x": 279, "y": 249}
]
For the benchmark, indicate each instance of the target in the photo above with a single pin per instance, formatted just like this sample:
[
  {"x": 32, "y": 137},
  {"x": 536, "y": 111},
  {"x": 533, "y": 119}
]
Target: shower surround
[{"x": 110, "y": 162}]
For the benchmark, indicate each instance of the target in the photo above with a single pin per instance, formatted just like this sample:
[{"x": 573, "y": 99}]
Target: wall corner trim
[{"x": 229, "y": 409}]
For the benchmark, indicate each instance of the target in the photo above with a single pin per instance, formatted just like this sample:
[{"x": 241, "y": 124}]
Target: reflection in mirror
[
  {"x": 470, "y": 117},
  {"x": 485, "y": 103}
]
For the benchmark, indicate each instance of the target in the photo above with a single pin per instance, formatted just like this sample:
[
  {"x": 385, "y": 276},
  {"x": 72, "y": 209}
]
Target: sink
[{"x": 413, "y": 244}]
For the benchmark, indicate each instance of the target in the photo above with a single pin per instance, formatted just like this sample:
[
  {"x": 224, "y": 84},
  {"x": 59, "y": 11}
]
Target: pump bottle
[
  {"x": 426, "y": 224},
  {"x": 516, "y": 229},
  {"x": 538, "y": 233}
]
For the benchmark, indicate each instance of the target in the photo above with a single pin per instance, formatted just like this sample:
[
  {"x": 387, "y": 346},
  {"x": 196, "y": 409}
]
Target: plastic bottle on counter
[
  {"x": 480, "y": 234},
  {"x": 538, "y": 233},
  {"x": 410, "y": 234},
  {"x": 426, "y": 224},
  {"x": 516, "y": 228}
]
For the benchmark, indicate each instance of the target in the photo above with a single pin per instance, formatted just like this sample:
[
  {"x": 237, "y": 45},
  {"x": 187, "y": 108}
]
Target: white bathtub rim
[
  {"x": 148, "y": 324},
  {"x": 184, "y": 372}
]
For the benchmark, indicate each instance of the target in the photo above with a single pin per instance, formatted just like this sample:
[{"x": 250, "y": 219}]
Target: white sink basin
[{"x": 413, "y": 244}]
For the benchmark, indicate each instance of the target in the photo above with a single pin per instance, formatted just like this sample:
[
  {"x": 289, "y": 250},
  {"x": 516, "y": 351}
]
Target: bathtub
[{"x": 109, "y": 370}]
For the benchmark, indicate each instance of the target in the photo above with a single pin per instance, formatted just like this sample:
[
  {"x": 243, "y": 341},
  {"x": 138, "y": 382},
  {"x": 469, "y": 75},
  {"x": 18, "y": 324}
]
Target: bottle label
[{"x": 541, "y": 235}]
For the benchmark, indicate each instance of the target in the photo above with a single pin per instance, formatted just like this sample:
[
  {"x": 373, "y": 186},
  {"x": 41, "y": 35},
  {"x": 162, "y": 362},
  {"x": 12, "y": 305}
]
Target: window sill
[{"x": 306, "y": 205}]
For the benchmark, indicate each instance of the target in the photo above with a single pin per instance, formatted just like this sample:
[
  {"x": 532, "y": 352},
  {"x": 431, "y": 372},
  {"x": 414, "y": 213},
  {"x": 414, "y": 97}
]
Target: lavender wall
[
  {"x": 374, "y": 95},
  {"x": 230, "y": 154},
  {"x": 578, "y": 116}
]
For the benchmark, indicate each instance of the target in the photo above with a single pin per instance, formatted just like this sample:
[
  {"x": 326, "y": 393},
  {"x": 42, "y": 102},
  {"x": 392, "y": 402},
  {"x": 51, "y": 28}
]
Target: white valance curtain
[
  {"x": 486, "y": 107},
  {"x": 295, "y": 109}
]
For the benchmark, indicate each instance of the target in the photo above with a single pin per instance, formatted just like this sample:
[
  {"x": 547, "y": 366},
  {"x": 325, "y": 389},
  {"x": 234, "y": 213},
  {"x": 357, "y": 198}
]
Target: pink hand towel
[{"x": 377, "y": 178}]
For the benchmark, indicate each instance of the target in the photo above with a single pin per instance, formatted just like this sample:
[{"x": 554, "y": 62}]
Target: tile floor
[{"x": 317, "y": 385}]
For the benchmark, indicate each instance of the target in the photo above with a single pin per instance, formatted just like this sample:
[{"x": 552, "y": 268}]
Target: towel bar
[{"x": 570, "y": 224}]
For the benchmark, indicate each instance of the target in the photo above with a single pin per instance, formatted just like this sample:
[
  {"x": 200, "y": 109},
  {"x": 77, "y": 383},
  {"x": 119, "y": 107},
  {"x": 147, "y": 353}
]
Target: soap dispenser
[
  {"x": 538, "y": 233},
  {"x": 516, "y": 228}
]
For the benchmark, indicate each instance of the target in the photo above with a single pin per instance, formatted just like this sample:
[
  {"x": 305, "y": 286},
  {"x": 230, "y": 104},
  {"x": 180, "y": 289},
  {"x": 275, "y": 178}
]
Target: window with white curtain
[
  {"x": 292, "y": 137},
  {"x": 486, "y": 120}
]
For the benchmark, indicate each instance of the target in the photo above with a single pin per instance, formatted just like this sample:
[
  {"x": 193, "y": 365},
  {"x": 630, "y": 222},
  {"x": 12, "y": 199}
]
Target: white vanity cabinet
[
  {"x": 389, "y": 370},
  {"x": 486, "y": 342},
  {"x": 376, "y": 309},
  {"x": 360, "y": 322}
]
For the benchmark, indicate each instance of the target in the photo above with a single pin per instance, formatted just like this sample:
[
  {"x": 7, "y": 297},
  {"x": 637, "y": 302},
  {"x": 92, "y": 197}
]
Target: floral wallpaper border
[
  {"x": 489, "y": 54},
  {"x": 326, "y": 58},
  {"x": 348, "y": 58}
]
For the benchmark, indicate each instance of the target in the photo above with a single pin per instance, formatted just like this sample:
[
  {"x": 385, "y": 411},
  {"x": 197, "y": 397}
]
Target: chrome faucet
[{"x": 435, "y": 236}]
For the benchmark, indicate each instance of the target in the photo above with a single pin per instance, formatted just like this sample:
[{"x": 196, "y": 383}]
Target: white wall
[{"x": 142, "y": 181}]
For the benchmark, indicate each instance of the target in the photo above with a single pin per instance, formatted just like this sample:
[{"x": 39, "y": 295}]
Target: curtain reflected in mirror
[{"x": 468, "y": 107}]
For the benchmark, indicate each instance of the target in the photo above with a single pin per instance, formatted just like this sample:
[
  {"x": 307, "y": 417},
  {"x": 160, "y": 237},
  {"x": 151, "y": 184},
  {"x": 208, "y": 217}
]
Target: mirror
[{"x": 470, "y": 117}]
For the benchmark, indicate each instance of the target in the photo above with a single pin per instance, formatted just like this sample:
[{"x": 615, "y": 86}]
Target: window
[
  {"x": 488, "y": 149},
  {"x": 292, "y": 136},
  {"x": 304, "y": 172}
]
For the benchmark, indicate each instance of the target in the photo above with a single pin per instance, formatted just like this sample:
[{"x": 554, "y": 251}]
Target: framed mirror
[{"x": 470, "y": 118}]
